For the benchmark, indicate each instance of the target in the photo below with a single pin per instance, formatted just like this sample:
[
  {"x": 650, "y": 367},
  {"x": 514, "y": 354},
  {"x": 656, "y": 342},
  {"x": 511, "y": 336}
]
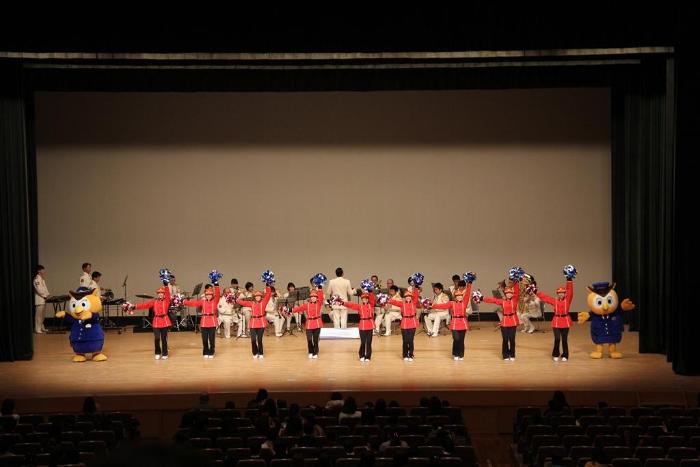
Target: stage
[{"x": 487, "y": 387}]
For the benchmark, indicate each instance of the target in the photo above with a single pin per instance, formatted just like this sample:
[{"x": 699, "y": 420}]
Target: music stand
[
  {"x": 186, "y": 318},
  {"x": 299, "y": 295}
]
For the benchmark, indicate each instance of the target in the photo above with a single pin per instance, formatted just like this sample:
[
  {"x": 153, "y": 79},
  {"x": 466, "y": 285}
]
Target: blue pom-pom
[
  {"x": 319, "y": 279},
  {"x": 516, "y": 273},
  {"x": 417, "y": 278},
  {"x": 215, "y": 275},
  {"x": 469, "y": 277},
  {"x": 268, "y": 277},
  {"x": 570, "y": 271},
  {"x": 164, "y": 275},
  {"x": 367, "y": 285}
]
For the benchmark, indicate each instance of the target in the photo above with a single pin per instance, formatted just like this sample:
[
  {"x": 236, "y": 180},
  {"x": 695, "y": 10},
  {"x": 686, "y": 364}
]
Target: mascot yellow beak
[{"x": 605, "y": 307}]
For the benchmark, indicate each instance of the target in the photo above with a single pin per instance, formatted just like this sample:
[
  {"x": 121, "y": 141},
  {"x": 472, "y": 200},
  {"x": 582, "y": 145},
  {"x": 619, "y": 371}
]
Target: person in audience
[
  {"x": 8, "y": 409},
  {"x": 557, "y": 405},
  {"x": 336, "y": 401},
  {"x": 349, "y": 409},
  {"x": 394, "y": 440},
  {"x": 380, "y": 407},
  {"x": 598, "y": 459}
]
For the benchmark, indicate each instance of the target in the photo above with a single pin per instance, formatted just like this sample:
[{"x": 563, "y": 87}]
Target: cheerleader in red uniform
[
  {"x": 459, "y": 325},
  {"x": 161, "y": 320},
  {"x": 209, "y": 320},
  {"x": 510, "y": 320},
  {"x": 408, "y": 320},
  {"x": 312, "y": 309},
  {"x": 366, "y": 312},
  {"x": 258, "y": 319},
  {"x": 561, "y": 321}
]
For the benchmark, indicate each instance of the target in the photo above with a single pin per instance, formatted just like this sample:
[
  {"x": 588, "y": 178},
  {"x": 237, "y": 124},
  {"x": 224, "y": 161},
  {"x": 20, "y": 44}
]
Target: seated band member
[
  {"x": 312, "y": 309},
  {"x": 257, "y": 319},
  {"x": 561, "y": 321},
  {"x": 161, "y": 320},
  {"x": 459, "y": 325},
  {"x": 95, "y": 278},
  {"x": 366, "y": 311},
  {"x": 272, "y": 314},
  {"x": 208, "y": 321},
  {"x": 245, "y": 311},
  {"x": 388, "y": 313},
  {"x": 292, "y": 290},
  {"x": 227, "y": 315},
  {"x": 509, "y": 322},
  {"x": 532, "y": 309},
  {"x": 436, "y": 315},
  {"x": 409, "y": 322}
]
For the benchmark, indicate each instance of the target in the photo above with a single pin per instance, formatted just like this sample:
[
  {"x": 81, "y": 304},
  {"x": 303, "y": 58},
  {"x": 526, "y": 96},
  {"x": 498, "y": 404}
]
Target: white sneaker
[
  {"x": 531, "y": 331},
  {"x": 205, "y": 356},
  {"x": 362, "y": 359},
  {"x": 311, "y": 355},
  {"x": 261, "y": 356},
  {"x": 456, "y": 358},
  {"x": 278, "y": 335},
  {"x": 563, "y": 359},
  {"x": 315, "y": 356},
  {"x": 556, "y": 359},
  {"x": 505, "y": 359},
  {"x": 523, "y": 330},
  {"x": 512, "y": 359},
  {"x": 255, "y": 356},
  {"x": 405, "y": 359},
  {"x": 387, "y": 335},
  {"x": 157, "y": 357},
  {"x": 211, "y": 356},
  {"x": 164, "y": 357},
  {"x": 410, "y": 359},
  {"x": 461, "y": 358}
]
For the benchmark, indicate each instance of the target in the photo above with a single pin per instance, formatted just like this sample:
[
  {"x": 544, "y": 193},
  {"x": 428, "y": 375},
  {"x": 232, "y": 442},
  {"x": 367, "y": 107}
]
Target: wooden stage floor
[{"x": 131, "y": 368}]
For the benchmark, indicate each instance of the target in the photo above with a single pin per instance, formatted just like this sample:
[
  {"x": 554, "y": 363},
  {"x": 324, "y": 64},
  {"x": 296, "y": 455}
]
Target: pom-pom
[
  {"x": 367, "y": 285},
  {"x": 165, "y": 275},
  {"x": 417, "y": 279},
  {"x": 285, "y": 311},
  {"x": 268, "y": 277},
  {"x": 477, "y": 296},
  {"x": 426, "y": 303},
  {"x": 176, "y": 300},
  {"x": 230, "y": 298},
  {"x": 382, "y": 299},
  {"x": 570, "y": 272},
  {"x": 319, "y": 279},
  {"x": 516, "y": 273},
  {"x": 469, "y": 277},
  {"x": 128, "y": 307},
  {"x": 215, "y": 275},
  {"x": 531, "y": 289},
  {"x": 335, "y": 300}
]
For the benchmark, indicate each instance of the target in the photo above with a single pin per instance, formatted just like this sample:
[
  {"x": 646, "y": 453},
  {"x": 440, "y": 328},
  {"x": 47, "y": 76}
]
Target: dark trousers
[
  {"x": 208, "y": 340},
  {"x": 458, "y": 343},
  {"x": 563, "y": 335},
  {"x": 312, "y": 336},
  {"x": 366, "y": 344},
  {"x": 161, "y": 337},
  {"x": 508, "y": 346},
  {"x": 407, "y": 335},
  {"x": 256, "y": 340}
]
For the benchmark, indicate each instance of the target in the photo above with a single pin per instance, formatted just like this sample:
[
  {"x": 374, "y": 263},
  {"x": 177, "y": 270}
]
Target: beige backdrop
[{"x": 382, "y": 182}]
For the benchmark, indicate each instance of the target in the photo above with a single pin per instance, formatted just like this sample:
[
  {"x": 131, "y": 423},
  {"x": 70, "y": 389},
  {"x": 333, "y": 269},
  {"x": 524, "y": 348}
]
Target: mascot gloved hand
[
  {"x": 605, "y": 314},
  {"x": 86, "y": 335}
]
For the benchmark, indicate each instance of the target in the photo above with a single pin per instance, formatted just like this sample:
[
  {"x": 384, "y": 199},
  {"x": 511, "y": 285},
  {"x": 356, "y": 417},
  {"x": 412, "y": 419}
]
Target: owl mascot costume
[
  {"x": 86, "y": 335},
  {"x": 605, "y": 314}
]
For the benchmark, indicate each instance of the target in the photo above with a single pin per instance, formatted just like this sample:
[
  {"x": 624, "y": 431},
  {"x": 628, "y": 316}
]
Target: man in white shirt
[
  {"x": 86, "y": 277},
  {"x": 390, "y": 312},
  {"x": 95, "y": 278},
  {"x": 340, "y": 286},
  {"x": 433, "y": 317},
  {"x": 41, "y": 293}
]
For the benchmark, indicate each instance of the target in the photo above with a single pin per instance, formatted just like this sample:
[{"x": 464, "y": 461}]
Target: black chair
[
  {"x": 677, "y": 453},
  {"x": 467, "y": 454},
  {"x": 617, "y": 452},
  {"x": 579, "y": 412},
  {"x": 649, "y": 452},
  {"x": 347, "y": 462},
  {"x": 626, "y": 462},
  {"x": 569, "y": 441},
  {"x": 660, "y": 462},
  {"x": 602, "y": 441},
  {"x": 608, "y": 412},
  {"x": 566, "y": 430},
  {"x": 547, "y": 452}
]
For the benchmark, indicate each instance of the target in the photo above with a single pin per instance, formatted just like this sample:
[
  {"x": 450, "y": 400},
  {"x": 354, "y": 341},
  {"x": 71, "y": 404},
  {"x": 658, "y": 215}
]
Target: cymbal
[{"x": 144, "y": 296}]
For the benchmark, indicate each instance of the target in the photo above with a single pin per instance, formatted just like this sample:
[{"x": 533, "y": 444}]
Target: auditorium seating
[{"x": 641, "y": 436}]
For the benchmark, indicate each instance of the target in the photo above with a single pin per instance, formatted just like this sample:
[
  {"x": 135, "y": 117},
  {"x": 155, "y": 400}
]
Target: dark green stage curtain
[{"x": 16, "y": 197}]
